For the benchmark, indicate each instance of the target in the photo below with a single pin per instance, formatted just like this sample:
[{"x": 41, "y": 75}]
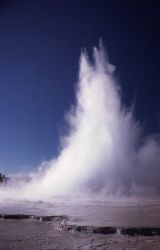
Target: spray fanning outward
[{"x": 103, "y": 150}]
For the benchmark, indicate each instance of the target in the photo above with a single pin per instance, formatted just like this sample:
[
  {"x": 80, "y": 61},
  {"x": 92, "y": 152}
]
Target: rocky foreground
[{"x": 21, "y": 231}]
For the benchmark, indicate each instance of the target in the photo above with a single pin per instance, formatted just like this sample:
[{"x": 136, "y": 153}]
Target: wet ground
[
  {"x": 77, "y": 229},
  {"x": 27, "y": 235}
]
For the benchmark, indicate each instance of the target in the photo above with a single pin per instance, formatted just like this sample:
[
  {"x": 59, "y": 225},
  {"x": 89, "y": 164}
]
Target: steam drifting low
[{"x": 104, "y": 151}]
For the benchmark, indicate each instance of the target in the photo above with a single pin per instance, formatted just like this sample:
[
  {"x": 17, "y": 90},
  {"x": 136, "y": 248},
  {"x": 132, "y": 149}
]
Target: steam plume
[{"x": 104, "y": 150}]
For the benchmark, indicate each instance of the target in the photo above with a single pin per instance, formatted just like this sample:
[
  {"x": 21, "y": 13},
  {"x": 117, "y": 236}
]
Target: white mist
[{"x": 101, "y": 152}]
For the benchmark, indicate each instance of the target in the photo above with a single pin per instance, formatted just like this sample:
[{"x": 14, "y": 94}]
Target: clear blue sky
[{"x": 40, "y": 43}]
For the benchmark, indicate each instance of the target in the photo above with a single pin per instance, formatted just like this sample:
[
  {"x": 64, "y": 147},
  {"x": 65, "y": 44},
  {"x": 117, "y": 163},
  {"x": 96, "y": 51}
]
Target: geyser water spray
[{"x": 103, "y": 150}]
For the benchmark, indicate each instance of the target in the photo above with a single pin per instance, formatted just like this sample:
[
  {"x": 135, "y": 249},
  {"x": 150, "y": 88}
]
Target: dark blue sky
[{"x": 40, "y": 43}]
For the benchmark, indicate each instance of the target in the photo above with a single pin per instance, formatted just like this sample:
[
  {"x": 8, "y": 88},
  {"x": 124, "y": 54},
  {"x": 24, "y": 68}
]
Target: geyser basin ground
[
  {"x": 119, "y": 213},
  {"x": 45, "y": 234}
]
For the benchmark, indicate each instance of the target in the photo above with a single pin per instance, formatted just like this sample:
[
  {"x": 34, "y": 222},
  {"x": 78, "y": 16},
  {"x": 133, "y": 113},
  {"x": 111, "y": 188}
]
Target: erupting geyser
[{"x": 103, "y": 150}]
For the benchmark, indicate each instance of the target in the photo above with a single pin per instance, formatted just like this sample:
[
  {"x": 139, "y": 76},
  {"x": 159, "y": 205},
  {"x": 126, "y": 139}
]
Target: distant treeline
[
  {"x": 14, "y": 179},
  {"x": 3, "y": 178}
]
